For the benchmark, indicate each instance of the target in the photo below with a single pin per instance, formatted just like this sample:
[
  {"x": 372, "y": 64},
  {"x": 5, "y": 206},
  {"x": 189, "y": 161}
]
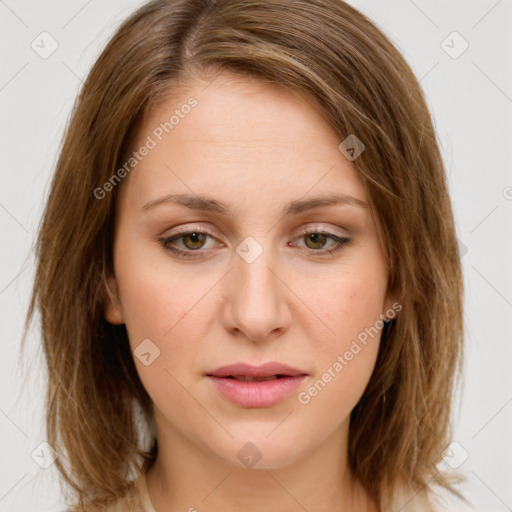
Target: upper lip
[{"x": 249, "y": 370}]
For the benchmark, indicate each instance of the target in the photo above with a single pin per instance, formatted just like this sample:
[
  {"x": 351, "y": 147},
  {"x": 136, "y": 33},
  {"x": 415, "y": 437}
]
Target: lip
[
  {"x": 249, "y": 370},
  {"x": 256, "y": 394}
]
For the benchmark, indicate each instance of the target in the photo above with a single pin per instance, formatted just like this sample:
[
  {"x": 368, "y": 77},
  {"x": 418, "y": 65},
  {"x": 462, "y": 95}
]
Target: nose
[{"x": 256, "y": 301}]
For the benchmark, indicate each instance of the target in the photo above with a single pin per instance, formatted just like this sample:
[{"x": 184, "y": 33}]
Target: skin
[{"x": 254, "y": 147}]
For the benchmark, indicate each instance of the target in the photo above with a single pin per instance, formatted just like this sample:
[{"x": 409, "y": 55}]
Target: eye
[
  {"x": 317, "y": 240},
  {"x": 192, "y": 241}
]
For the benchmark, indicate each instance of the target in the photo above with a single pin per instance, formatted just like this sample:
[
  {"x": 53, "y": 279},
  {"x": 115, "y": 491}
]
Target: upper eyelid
[{"x": 187, "y": 230}]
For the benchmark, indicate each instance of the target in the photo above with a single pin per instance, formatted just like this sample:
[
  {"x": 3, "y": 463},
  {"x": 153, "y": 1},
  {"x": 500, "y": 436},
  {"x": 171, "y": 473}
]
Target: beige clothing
[{"x": 139, "y": 501}]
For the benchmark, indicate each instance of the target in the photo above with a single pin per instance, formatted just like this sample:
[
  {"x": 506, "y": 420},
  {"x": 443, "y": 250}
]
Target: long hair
[{"x": 361, "y": 85}]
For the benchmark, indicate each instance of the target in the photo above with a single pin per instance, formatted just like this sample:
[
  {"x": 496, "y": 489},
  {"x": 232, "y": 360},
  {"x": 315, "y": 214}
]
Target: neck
[{"x": 187, "y": 477}]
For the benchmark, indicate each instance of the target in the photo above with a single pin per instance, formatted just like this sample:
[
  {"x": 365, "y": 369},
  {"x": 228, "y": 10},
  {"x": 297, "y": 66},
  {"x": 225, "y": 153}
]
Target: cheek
[
  {"x": 156, "y": 298},
  {"x": 169, "y": 309},
  {"x": 350, "y": 303},
  {"x": 349, "y": 299},
  {"x": 346, "y": 356}
]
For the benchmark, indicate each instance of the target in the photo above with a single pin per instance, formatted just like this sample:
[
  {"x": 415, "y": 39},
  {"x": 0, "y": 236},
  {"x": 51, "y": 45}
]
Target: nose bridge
[{"x": 255, "y": 305}]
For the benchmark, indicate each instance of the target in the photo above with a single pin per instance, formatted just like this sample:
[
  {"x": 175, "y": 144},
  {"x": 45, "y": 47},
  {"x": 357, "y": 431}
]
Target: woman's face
[{"x": 247, "y": 265}]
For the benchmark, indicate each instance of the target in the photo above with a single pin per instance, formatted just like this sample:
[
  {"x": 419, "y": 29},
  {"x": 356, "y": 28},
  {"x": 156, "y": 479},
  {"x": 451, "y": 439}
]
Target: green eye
[
  {"x": 187, "y": 244},
  {"x": 194, "y": 240},
  {"x": 317, "y": 240}
]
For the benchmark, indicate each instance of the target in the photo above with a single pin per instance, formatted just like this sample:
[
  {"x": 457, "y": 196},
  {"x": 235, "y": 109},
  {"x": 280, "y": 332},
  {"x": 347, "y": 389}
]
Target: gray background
[{"x": 470, "y": 97}]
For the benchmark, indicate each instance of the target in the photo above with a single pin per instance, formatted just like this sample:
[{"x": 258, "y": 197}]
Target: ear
[{"x": 112, "y": 309}]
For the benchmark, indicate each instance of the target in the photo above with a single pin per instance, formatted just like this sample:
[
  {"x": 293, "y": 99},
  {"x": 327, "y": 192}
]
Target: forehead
[
  {"x": 235, "y": 109},
  {"x": 242, "y": 137}
]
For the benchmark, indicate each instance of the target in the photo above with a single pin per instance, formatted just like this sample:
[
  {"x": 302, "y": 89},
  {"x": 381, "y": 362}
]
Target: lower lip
[{"x": 264, "y": 393}]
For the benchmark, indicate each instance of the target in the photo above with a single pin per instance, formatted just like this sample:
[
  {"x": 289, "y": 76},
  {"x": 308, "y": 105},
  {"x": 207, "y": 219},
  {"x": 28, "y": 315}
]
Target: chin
[{"x": 257, "y": 452}]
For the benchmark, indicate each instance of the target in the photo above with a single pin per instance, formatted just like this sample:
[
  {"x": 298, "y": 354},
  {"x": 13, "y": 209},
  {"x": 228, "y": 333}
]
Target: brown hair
[{"x": 334, "y": 55}]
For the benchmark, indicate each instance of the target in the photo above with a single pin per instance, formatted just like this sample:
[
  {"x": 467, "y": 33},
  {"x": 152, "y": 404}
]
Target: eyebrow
[{"x": 208, "y": 204}]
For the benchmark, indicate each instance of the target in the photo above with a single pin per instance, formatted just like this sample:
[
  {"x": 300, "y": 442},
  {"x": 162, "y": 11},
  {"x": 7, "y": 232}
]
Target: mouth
[
  {"x": 256, "y": 386},
  {"x": 246, "y": 371},
  {"x": 247, "y": 378}
]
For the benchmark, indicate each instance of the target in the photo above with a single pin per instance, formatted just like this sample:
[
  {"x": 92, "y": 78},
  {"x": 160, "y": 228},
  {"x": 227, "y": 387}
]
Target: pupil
[
  {"x": 194, "y": 240},
  {"x": 317, "y": 238}
]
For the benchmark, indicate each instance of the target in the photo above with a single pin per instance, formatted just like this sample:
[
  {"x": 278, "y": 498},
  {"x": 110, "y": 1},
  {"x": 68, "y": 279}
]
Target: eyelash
[{"x": 341, "y": 242}]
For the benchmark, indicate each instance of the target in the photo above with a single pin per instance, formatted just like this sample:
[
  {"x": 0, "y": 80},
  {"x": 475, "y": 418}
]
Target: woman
[{"x": 248, "y": 275}]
